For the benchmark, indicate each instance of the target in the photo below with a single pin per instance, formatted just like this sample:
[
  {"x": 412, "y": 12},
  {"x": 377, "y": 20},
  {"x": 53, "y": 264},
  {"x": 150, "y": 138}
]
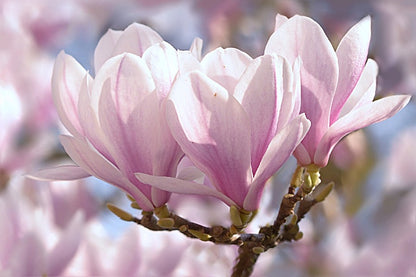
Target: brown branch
[{"x": 294, "y": 205}]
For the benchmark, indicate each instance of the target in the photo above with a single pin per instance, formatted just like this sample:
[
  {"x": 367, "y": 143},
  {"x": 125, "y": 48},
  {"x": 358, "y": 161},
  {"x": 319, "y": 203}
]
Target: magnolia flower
[
  {"x": 238, "y": 122},
  {"x": 31, "y": 244},
  {"x": 338, "y": 87},
  {"x": 117, "y": 121}
]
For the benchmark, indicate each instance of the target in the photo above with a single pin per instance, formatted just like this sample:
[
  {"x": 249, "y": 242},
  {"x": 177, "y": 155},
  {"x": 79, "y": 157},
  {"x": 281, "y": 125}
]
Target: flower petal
[
  {"x": 196, "y": 48},
  {"x": 213, "y": 130},
  {"x": 352, "y": 55},
  {"x": 277, "y": 153},
  {"x": 89, "y": 121},
  {"x": 66, "y": 82},
  {"x": 225, "y": 66},
  {"x": 61, "y": 173},
  {"x": 365, "y": 89},
  {"x": 357, "y": 119},
  {"x": 162, "y": 60},
  {"x": 182, "y": 186},
  {"x": 63, "y": 252},
  {"x": 302, "y": 155},
  {"x": 131, "y": 81},
  {"x": 260, "y": 92},
  {"x": 135, "y": 39},
  {"x": 302, "y": 37},
  {"x": 105, "y": 48},
  {"x": 280, "y": 20},
  {"x": 95, "y": 164}
]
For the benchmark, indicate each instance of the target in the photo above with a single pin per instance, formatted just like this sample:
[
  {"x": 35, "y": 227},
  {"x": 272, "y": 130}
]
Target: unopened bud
[
  {"x": 162, "y": 212},
  {"x": 298, "y": 236},
  {"x": 130, "y": 198},
  {"x": 134, "y": 205},
  {"x": 258, "y": 250},
  {"x": 119, "y": 212},
  {"x": 235, "y": 216},
  {"x": 166, "y": 222},
  {"x": 307, "y": 185},
  {"x": 322, "y": 191},
  {"x": 200, "y": 235},
  {"x": 313, "y": 170},
  {"x": 297, "y": 177}
]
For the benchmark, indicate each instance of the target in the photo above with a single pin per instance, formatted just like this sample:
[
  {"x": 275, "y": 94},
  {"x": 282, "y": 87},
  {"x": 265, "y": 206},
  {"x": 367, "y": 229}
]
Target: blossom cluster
[{"x": 154, "y": 118}]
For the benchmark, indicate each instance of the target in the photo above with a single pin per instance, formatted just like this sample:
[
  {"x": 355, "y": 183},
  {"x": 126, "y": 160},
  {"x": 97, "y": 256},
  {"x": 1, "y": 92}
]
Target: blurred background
[{"x": 366, "y": 227}]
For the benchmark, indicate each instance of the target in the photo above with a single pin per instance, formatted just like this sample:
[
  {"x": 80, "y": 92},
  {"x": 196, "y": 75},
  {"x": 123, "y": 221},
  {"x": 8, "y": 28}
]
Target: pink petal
[
  {"x": 105, "y": 47},
  {"x": 365, "y": 89},
  {"x": 135, "y": 39},
  {"x": 280, "y": 20},
  {"x": 225, "y": 66},
  {"x": 89, "y": 121},
  {"x": 66, "y": 82},
  {"x": 352, "y": 55},
  {"x": 141, "y": 143},
  {"x": 61, "y": 173},
  {"x": 23, "y": 261},
  {"x": 260, "y": 92},
  {"x": 213, "y": 130},
  {"x": 182, "y": 186},
  {"x": 357, "y": 119},
  {"x": 162, "y": 60},
  {"x": 302, "y": 156},
  {"x": 278, "y": 151},
  {"x": 63, "y": 252},
  {"x": 196, "y": 48},
  {"x": 302, "y": 37},
  {"x": 95, "y": 164},
  {"x": 131, "y": 81}
]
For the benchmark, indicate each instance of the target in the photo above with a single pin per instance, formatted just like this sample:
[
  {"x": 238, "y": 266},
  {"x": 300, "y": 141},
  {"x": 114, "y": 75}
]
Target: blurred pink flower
[
  {"x": 31, "y": 245},
  {"x": 338, "y": 87},
  {"x": 117, "y": 120},
  {"x": 238, "y": 123}
]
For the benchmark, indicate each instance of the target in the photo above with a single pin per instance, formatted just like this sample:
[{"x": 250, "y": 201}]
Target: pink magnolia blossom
[
  {"x": 117, "y": 121},
  {"x": 31, "y": 245},
  {"x": 338, "y": 87},
  {"x": 238, "y": 123}
]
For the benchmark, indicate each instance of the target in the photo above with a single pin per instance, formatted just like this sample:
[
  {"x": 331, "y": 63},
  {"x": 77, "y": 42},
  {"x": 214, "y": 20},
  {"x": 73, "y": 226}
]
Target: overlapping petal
[
  {"x": 277, "y": 153},
  {"x": 304, "y": 38},
  {"x": 374, "y": 112},
  {"x": 84, "y": 155},
  {"x": 225, "y": 66},
  {"x": 67, "y": 78},
  {"x": 213, "y": 130},
  {"x": 352, "y": 56},
  {"x": 260, "y": 91}
]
